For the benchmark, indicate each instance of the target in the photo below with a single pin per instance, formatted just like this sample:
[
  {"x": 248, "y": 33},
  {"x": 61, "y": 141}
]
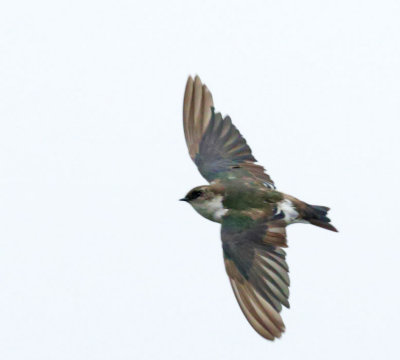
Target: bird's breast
[{"x": 212, "y": 209}]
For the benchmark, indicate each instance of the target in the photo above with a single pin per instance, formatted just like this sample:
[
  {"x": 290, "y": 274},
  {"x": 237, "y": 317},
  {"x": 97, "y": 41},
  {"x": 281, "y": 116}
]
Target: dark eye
[{"x": 194, "y": 194}]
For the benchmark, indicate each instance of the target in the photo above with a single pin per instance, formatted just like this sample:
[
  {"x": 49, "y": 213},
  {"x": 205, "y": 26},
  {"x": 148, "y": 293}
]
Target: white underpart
[
  {"x": 286, "y": 206},
  {"x": 211, "y": 209},
  {"x": 216, "y": 208}
]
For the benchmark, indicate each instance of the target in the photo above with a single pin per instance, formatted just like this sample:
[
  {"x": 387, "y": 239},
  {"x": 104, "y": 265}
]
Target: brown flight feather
[{"x": 197, "y": 105}]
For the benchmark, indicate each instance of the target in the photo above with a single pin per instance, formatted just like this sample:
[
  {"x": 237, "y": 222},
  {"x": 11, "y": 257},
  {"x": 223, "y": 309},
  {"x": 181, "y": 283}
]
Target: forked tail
[{"x": 317, "y": 215}]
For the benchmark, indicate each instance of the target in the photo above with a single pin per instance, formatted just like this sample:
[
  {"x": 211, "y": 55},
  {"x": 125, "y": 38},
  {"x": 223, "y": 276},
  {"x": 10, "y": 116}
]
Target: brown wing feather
[
  {"x": 276, "y": 233},
  {"x": 197, "y": 105},
  {"x": 214, "y": 143},
  {"x": 257, "y": 270},
  {"x": 259, "y": 313}
]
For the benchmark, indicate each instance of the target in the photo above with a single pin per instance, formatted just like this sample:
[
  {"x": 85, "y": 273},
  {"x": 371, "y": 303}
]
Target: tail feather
[{"x": 317, "y": 215}]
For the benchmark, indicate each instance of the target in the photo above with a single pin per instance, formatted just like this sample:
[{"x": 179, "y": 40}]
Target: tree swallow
[{"x": 253, "y": 214}]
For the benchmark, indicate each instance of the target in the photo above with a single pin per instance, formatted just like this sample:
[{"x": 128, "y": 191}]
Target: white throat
[{"x": 211, "y": 209}]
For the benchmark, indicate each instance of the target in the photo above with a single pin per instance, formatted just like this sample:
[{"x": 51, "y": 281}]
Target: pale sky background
[{"x": 98, "y": 259}]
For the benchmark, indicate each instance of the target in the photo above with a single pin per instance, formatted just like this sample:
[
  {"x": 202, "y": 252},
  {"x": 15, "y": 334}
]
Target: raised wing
[
  {"x": 214, "y": 143},
  {"x": 257, "y": 270}
]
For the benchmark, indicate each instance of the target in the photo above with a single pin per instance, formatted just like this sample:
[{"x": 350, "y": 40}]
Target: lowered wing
[{"x": 257, "y": 270}]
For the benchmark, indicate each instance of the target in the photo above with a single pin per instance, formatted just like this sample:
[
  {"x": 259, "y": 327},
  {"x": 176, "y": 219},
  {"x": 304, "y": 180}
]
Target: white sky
[{"x": 98, "y": 259}]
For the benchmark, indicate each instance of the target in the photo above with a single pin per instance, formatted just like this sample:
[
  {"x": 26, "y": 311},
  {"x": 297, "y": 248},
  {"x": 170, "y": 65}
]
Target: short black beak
[{"x": 184, "y": 199}]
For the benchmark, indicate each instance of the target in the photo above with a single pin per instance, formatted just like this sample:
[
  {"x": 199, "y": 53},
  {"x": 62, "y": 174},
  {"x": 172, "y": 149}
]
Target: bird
[{"x": 253, "y": 214}]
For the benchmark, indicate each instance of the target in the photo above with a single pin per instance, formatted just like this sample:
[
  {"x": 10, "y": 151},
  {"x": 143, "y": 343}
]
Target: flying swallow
[{"x": 253, "y": 215}]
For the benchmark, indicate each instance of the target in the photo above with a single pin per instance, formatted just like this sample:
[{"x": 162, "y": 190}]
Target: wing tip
[
  {"x": 266, "y": 321},
  {"x": 197, "y": 103}
]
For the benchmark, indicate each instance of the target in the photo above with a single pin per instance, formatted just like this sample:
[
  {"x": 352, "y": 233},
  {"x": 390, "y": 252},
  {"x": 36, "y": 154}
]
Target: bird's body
[{"x": 253, "y": 214}]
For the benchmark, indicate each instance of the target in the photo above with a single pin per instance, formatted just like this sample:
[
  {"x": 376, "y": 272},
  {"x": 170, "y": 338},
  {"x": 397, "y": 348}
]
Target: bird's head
[
  {"x": 206, "y": 202},
  {"x": 199, "y": 195}
]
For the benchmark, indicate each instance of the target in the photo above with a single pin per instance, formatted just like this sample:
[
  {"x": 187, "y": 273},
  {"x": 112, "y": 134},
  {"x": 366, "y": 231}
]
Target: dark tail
[{"x": 317, "y": 215}]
